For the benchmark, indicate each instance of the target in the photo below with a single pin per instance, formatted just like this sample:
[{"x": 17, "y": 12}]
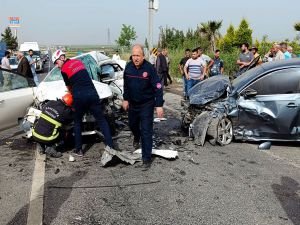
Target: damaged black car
[{"x": 262, "y": 104}]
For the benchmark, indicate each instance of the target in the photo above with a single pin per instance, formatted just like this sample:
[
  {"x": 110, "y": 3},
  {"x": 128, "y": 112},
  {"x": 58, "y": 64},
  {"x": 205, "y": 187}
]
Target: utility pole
[{"x": 153, "y": 5}]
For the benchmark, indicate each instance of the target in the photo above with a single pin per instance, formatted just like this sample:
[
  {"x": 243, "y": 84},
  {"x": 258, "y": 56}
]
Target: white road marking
[{"x": 35, "y": 212}]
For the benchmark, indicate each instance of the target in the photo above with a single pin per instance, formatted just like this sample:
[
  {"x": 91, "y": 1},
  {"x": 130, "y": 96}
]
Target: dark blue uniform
[
  {"x": 85, "y": 98},
  {"x": 143, "y": 91}
]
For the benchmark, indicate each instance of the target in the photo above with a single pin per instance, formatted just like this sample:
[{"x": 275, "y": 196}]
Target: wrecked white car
[
  {"x": 263, "y": 104},
  {"x": 53, "y": 87}
]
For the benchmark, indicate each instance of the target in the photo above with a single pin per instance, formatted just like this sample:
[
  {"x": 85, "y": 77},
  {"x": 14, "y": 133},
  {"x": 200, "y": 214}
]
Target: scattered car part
[
  {"x": 127, "y": 157},
  {"x": 265, "y": 145},
  {"x": 168, "y": 154}
]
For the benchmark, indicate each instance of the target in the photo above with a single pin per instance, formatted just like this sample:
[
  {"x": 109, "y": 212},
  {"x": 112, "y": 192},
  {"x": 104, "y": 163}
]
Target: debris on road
[
  {"x": 132, "y": 157},
  {"x": 177, "y": 142},
  {"x": 128, "y": 157},
  {"x": 169, "y": 154},
  {"x": 157, "y": 120},
  {"x": 71, "y": 158},
  {"x": 122, "y": 134},
  {"x": 265, "y": 145},
  {"x": 57, "y": 171}
]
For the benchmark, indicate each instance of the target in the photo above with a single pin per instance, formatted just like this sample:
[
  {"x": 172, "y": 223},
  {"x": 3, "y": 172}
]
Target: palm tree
[{"x": 211, "y": 31}]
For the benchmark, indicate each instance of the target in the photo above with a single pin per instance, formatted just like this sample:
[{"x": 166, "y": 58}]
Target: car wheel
[{"x": 220, "y": 131}]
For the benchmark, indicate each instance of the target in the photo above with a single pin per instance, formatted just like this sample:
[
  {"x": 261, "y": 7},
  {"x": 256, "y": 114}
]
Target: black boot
[
  {"x": 145, "y": 166},
  {"x": 52, "y": 152}
]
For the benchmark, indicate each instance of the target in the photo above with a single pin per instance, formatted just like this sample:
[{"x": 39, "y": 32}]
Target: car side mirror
[{"x": 249, "y": 93}]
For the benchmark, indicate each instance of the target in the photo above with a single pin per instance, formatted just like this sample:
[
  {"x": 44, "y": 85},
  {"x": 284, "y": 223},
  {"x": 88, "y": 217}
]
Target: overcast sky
[{"x": 88, "y": 21}]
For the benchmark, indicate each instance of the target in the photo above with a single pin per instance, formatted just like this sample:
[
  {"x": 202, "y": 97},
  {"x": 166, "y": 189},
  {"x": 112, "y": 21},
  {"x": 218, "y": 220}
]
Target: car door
[
  {"x": 16, "y": 94},
  {"x": 273, "y": 112}
]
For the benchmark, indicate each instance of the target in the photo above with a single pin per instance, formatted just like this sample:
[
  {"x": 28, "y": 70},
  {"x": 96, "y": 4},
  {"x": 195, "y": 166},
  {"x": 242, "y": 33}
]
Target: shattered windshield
[{"x": 88, "y": 61}]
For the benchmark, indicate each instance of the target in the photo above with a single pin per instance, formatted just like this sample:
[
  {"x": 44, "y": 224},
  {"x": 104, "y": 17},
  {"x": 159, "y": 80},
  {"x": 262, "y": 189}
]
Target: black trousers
[{"x": 141, "y": 124}]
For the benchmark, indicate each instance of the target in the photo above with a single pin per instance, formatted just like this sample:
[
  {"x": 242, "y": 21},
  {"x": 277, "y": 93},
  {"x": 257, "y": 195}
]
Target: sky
[{"x": 88, "y": 21}]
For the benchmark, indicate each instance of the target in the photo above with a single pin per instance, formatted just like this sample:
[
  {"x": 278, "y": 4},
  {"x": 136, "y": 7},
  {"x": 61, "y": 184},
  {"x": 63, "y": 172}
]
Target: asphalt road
[{"x": 234, "y": 184}]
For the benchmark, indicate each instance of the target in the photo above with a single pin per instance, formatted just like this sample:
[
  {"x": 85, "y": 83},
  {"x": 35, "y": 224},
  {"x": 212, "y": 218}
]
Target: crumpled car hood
[
  {"x": 209, "y": 90},
  {"x": 56, "y": 89}
]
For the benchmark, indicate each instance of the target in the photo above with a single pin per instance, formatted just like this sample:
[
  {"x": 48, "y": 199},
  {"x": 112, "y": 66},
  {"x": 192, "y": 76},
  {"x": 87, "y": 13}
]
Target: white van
[{"x": 26, "y": 46}]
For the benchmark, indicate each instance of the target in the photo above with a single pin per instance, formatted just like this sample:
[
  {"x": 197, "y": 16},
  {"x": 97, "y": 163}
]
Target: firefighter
[
  {"x": 142, "y": 93},
  {"x": 47, "y": 131},
  {"x": 85, "y": 95}
]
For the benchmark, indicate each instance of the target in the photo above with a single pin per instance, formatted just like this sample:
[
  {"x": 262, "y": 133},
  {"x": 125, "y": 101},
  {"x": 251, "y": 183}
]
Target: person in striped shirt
[{"x": 194, "y": 69}]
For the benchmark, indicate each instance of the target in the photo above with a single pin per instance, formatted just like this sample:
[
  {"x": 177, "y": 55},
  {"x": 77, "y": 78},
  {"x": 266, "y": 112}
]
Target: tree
[
  {"x": 265, "y": 45},
  {"x": 170, "y": 38},
  {"x": 227, "y": 44},
  {"x": 9, "y": 39},
  {"x": 127, "y": 35},
  {"x": 243, "y": 33},
  {"x": 211, "y": 31},
  {"x": 297, "y": 26}
]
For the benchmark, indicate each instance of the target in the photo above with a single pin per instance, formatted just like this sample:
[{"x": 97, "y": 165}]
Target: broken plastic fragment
[
  {"x": 71, "y": 158},
  {"x": 157, "y": 120},
  {"x": 265, "y": 145},
  {"x": 169, "y": 154},
  {"x": 124, "y": 156},
  {"x": 106, "y": 157}
]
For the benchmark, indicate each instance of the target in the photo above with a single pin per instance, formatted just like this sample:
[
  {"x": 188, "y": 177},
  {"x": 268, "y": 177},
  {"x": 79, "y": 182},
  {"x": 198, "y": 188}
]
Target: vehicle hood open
[{"x": 209, "y": 90}]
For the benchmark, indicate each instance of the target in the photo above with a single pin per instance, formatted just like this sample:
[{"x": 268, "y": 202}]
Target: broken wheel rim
[{"x": 224, "y": 131}]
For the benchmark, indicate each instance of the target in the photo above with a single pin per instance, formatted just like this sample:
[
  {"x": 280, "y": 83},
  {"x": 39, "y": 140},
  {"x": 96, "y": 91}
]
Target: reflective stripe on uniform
[
  {"x": 43, "y": 138},
  {"x": 54, "y": 134},
  {"x": 49, "y": 119}
]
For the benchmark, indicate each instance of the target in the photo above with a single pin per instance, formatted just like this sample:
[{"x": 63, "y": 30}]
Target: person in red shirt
[{"x": 85, "y": 97}]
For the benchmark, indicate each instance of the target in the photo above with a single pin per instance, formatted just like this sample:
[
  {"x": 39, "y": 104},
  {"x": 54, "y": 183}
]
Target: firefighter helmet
[
  {"x": 68, "y": 99},
  {"x": 56, "y": 55}
]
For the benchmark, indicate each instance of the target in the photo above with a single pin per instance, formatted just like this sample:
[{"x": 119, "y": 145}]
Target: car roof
[{"x": 240, "y": 82}]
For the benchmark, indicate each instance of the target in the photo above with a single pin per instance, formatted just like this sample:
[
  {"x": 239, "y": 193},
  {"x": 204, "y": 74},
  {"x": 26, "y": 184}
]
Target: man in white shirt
[
  {"x": 209, "y": 61},
  {"x": 5, "y": 77},
  {"x": 278, "y": 53},
  {"x": 5, "y": 61},
  {"x": 116, "y": 56}
]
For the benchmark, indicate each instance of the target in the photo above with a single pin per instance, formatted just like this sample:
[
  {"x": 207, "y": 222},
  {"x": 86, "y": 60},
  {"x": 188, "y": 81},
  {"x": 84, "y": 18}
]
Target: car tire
[{"x": 220, "y": 131}]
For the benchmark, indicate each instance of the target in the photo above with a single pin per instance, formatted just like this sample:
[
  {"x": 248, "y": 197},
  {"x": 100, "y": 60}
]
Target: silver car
[{"x": 16, "y": 95}]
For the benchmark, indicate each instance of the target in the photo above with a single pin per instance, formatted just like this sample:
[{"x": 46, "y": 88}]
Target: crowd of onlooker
[
  {"x": 280, "y": 51},
  {"x": 196, "y": 66}
]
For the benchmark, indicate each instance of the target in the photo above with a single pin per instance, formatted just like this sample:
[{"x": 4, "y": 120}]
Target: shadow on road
[
  {"x": 53, "y": 199},
  {"x": 286, "y": 193}
]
